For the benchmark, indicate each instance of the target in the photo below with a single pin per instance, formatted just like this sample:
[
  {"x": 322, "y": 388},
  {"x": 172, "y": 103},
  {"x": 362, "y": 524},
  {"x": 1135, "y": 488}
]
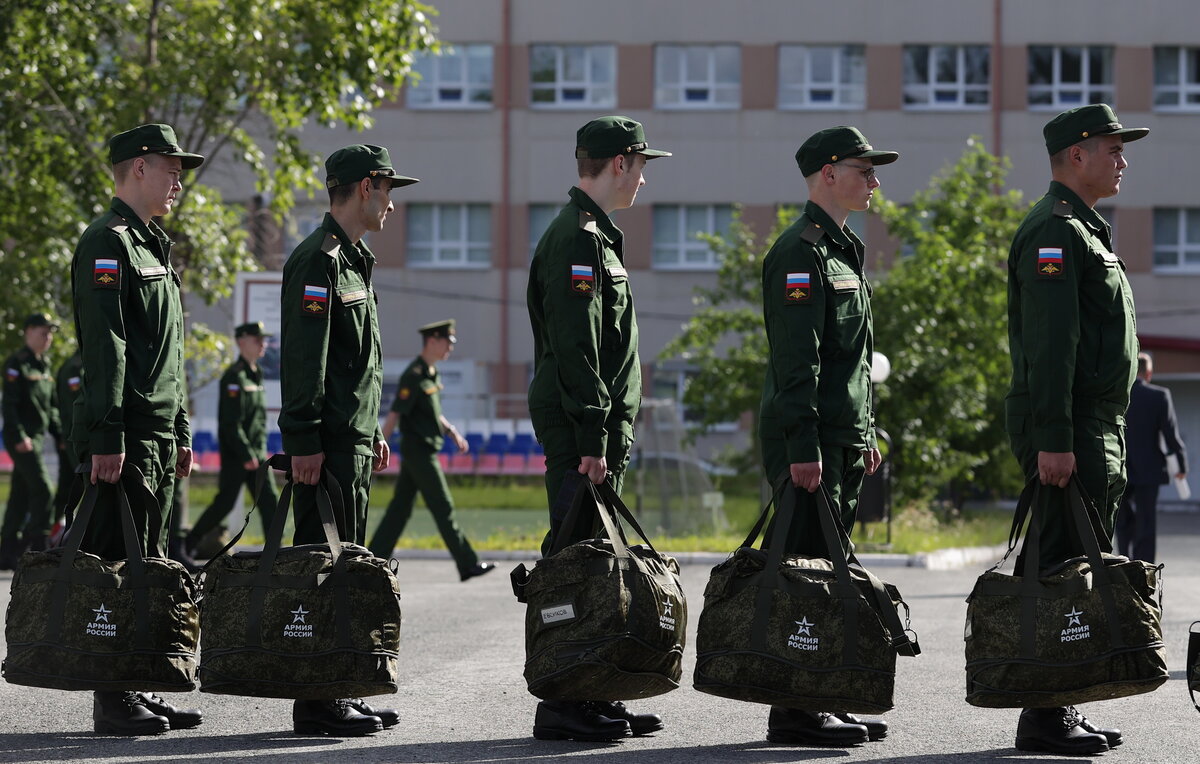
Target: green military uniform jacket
[
  {"x": 331, "y": 361},
  {"x": 242, "y": 414},
  {"x": 29, "y": 406},
  {"x": 419, "y": 406},
  {"x": 67, "y": 382},
  {"x": 817, "y": 311},
  {"x": 1072, "y": 332},
  {"x": 129, "y": 323},
  {"x": 586, "y": 368}
]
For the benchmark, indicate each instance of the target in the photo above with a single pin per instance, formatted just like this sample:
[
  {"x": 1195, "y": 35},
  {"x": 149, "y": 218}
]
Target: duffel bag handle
[
  {"x": 261, "y": 476},
  {"x": 588, "y": 506},
  {"x": 609, "y": 496},
  {"x": 1193, "y": 661}
]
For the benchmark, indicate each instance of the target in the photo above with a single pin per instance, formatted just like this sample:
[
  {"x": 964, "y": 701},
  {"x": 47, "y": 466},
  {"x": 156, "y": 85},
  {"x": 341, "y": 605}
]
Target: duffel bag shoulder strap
[
  {"x": 1193, "y": 662},
  {"x": 580, "y": 511},
  {"x": 261, "y": 477},
  {"x": 783, "y": 501},
  {"x": 903, "y": 638},
  {"x": 612, "y": 501},
  {"x": 1101, "y": 576},
  {"x": 840, "y": 556}
]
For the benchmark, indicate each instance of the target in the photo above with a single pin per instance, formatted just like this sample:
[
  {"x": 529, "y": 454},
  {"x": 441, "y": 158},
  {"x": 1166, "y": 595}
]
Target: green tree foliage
[
  {"x": 725, "y": 339},
  {"x": 940, "y": 317},
  {"x": 238, "y": 79}
]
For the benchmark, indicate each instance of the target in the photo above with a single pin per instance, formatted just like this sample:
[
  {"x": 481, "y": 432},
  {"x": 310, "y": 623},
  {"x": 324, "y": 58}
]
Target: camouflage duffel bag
[
  {"x": 1193, "y": 663},
  {"x": 1085, "y": 630},
  {"x": 315, "y": 621},
  {"x": 77, "y": 622},
  {"x": 801, "y": 632},
  {"x": 604, "y": 620}
]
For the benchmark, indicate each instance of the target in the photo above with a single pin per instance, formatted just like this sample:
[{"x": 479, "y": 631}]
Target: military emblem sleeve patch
[
  {"x": 232, "y": 390},
  {"x": 106, "y": 273},
  {"x": 797, "y": 287},
  {"x": 73, "y": 383},
  {"x": 1050, "y": 262},
  {"x": 12, "y": 374},
  {"x": 404, "y": 393},
  {"x": 315, "y": 300},
  {"x": 583, "y": 280}
]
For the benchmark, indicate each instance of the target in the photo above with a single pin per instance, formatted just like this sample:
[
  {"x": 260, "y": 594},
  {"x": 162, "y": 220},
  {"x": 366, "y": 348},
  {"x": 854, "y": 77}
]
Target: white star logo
[
  {"x": 1073, "y": 617},
  {"x": 101, "y": 613},
  {"x": 803, "y": 626},
  {"x": 299, "y": 613},
  {"x": 667, "y": 605}
]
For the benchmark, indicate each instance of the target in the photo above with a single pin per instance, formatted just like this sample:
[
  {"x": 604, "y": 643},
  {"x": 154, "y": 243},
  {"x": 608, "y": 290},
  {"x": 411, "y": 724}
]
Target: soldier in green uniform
[
  {"x": 587, "y": 379},
  {"x": 29, "y": 414},
  {"x": 817, "y": 424},
  {"x": 131, "y": 408},
  {"x": 418, "y": 410},
  {"x": 66, "y": 390},
  {"x": 1074, "y": 356},
  {"x": 241, "y": 435},
  {"x": 332, "y": 378}
]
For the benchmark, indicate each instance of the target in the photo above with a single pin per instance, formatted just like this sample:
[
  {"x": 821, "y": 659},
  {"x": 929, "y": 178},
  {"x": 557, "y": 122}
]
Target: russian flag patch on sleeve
[
  {"x": 316, "y": 300},
  {"x": 798, "y": 287},
  {"x": 583, "y": 280},
  {"x": 1050, "y": 261},
  {"x": 106, "y": 273}
]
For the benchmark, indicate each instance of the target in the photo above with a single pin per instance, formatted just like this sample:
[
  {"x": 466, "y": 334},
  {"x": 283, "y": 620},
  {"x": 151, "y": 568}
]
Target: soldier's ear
[{"x": 364, "y": 188}]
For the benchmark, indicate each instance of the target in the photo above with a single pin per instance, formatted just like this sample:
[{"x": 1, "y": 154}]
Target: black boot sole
[
  {"x": 550, "y": 733},
  {"x": 106, "y": 728},
  {"x": 179, "y": 724},
  {"x": 319, "y": 728},
  {"x": 645, "y": 730},
  {"x": 1037, "y": 746},
  {"x": 794, "y": 738}
]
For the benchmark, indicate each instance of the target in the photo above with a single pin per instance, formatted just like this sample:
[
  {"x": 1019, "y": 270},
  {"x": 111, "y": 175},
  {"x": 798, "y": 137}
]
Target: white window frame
[
  {"x": 432, "y": 83},
  {"x": 448, "y": 254},
  {"x": 695, "y": 81},
  {"x": 1181, "y": 247},
  {"x": 1184, "y": 87},
  {"x": 1104, "y": 93},
  {"x": 795, "y": 96},
  {"x": 931, "y": 89},
  {"x": 686, "y": 241},
  {"x": 560, "y": 83}
]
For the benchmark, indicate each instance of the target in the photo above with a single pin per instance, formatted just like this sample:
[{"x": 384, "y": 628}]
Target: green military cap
[
  {"x": 353, "y": 163},
  {"x": 1082, "y": 122},
  {"x": 611, "y": 136},
  {"x": 40, "y": 319},
  {"x": 834, "y": 144},
  {"x": 443, "y": 329},
  {"x": 252, "y": 329},
  {"x": 150, "y": 139}
]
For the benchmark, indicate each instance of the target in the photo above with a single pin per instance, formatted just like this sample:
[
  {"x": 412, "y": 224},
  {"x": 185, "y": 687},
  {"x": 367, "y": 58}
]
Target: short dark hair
[
  {"x": 1059, "y": 158},
  {"x": 342, "y": 193},
  {"x": 591, "y": 167}
]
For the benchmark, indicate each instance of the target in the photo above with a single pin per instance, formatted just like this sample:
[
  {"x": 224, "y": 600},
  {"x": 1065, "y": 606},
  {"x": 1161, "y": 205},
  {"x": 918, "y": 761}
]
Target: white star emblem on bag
[
  {"x": 299, "y": 613},
  {"x": 1073, "y": 616}
]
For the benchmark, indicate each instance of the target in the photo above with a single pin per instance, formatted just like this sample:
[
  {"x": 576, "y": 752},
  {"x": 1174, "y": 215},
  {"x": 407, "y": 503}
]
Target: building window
[
  {"x": 698, "y": 76},
  {"x": 572, "y": 76},
  {"x": 947, "y": 76},
  {"x": 456, "y": 77},
  {"x": 676, "y": 245},
  {"x": 822, "y": 76},
  {"x": 449, "y": 235},
  {"x": 540, "y": 216},
  {"x": 1061, "y": 77},
  {"x": 1177, "y": 239},
  {"x": 1177, "y": 78}
]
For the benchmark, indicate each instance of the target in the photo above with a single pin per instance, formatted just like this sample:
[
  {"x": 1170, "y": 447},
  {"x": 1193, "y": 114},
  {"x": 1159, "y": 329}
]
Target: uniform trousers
[
  {"x": 1100, "y": 463},
  {"x": 29, "y": 500},
  {"x": 67, "y": 462},
  {"x": 842, "y": 471},
  {"x": 155, "y": 457},
  {"x": 1137, "y": 522},
  {"x": 353, "y": 473},
  {"x": 562, "y": 457},
  {"x": 421, "y": 471},
  {"x": 230, "y": 481}
]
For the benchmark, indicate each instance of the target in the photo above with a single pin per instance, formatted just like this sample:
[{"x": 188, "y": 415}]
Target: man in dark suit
[{"x": 1151, "y": 416}]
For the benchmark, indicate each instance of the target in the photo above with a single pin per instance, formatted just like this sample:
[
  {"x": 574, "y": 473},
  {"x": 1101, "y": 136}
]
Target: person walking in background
[{"x": 1150, "y": 424}]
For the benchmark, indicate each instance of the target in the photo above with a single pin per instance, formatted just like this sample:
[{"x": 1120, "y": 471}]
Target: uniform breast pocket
[
  {"x": 849, "y": 293},
  {"x": 1106, "y": 275},
  {"x": 348, "y": 342}
]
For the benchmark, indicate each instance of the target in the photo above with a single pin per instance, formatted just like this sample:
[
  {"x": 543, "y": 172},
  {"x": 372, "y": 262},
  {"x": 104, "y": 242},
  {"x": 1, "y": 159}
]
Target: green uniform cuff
[
  {"x": 302, "y": 444},
  {"x": 800, "y": 451},
  {"x": 592, "y": 444},
  {"x": 1054, "y": 440},
  {"x": 105, "y": 443}
]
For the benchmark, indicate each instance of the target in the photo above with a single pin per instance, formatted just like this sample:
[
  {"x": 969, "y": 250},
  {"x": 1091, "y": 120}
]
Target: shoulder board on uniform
[
  {"x": 118, "y": 224},
  {"x": 587, "y": 221},
  {"x": 1063, "y": 209},
  {"x": 812, "y": 234},
  {"x": 331, "y": 246}
]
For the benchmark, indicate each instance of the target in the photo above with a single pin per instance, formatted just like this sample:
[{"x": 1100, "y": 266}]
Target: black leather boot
[
  {"x": 10, "y": 554},
  {"x": 125, "y": 713},
  {"x": 332, "y": 717},
  {"x": 565, "y": 720},
  {"x": 180, "y": 719},
  {"x": 1111, "y": 734},
  {"x": 387, "y": 716},
  {"x": 639, "y": 724},
  {"x": 790, "y": 725},
  {"x": 877, "y": 729},
  {"x": 1057, "y": 730},
  {"x": 176, "y": 552}
]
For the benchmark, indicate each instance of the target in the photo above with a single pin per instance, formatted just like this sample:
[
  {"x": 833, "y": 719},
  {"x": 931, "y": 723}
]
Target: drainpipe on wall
[
  {"x": 997, "y": 76},
  {"x": 501, "y": 381}
]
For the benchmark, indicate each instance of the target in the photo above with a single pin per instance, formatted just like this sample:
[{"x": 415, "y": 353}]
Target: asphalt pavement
[{"x": 462, "y": 697}]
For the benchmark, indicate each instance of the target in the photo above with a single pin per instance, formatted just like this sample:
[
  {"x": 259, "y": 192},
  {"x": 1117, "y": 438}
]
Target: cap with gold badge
[
  {"x": 833, "y": 144},
  {"x": 353, "y": 163},
  {"x": 612, "y": 136},
  {"x": 1083, "y": 122},
  {"x": 150, "y": 139},
  {"x": 442, "y": 329}
]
